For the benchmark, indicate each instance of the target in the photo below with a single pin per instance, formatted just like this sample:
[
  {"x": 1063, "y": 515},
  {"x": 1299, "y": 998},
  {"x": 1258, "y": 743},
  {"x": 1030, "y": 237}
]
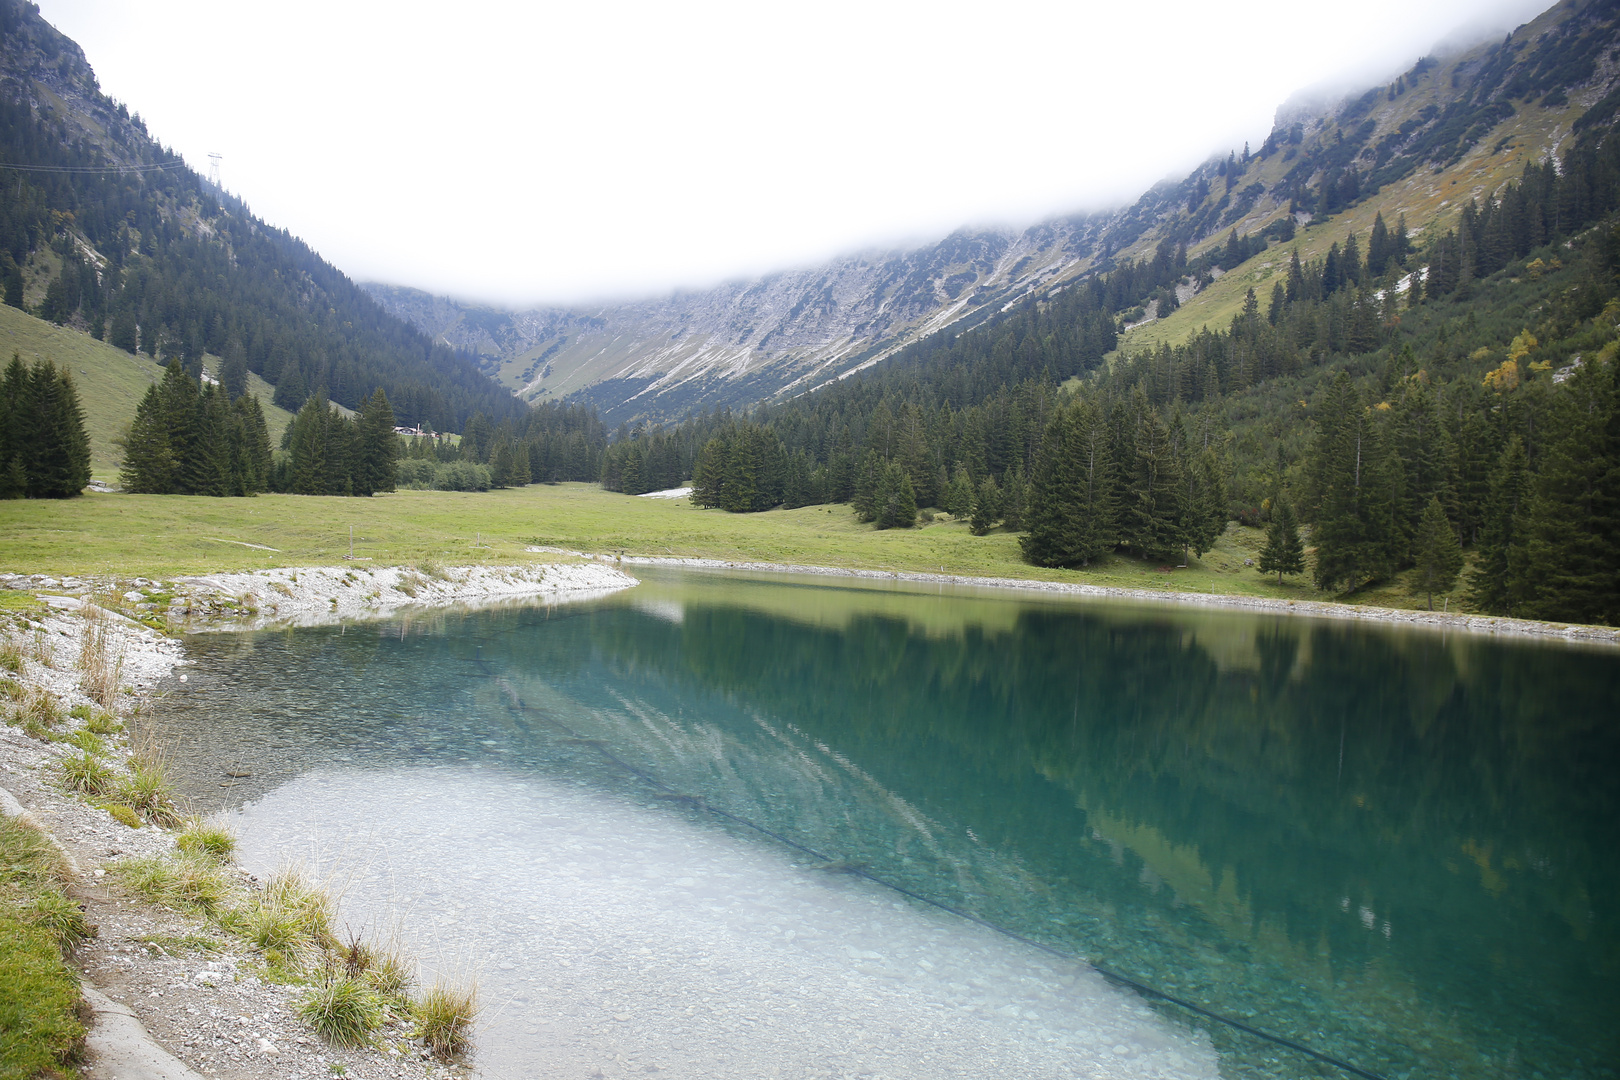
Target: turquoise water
[{"x": 1394, "y": 846}]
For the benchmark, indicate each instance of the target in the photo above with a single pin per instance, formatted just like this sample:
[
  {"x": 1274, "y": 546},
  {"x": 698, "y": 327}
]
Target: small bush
[
  {"x": 187, "y": 881},
  {"x": 11, "y": 656},
  {"x": 343, "y": 1010},
  {"x": 444, "y": 1018},
  {"x": 461, "y": 476},
  {"x": 85, "y": 773},
  {"x": 205, "y": 838}
]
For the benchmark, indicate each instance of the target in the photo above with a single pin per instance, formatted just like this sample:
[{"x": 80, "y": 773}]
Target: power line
[{"x": 158, "y": 167}]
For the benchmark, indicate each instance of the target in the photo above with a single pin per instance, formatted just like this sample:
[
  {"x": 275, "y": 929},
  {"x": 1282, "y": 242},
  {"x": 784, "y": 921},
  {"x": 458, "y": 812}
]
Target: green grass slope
[{"x": 110, "y": 381}]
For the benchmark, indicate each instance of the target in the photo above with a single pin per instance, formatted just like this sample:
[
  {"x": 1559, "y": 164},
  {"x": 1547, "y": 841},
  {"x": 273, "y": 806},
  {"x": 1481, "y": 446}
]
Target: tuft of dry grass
[
  {"x": 444, "y": 1016},
  {"x": 12, "y": 658},
  {"x": 84, "y": 772},
  {"x": 343, "y": 1010},
  {"x": 101, "y": 659}
]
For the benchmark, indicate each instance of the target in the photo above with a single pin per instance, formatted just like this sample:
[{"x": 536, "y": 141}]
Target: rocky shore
[
  {"x": 1439, "y": 620},
  {"x": 167, "y": 994}
]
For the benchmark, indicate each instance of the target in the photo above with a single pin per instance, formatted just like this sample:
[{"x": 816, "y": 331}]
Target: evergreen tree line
[
  {"x": 44, "y": 451},
  {"x": 189, "y": 438},
  {"x": 328, "y": 453},
  {"x": 547, "y": 444}
]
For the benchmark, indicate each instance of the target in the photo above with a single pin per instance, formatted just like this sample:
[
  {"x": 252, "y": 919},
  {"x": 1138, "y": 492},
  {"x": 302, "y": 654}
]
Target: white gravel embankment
[
  {"x": 306, "y": 596},
  {"x": 1478, "y": 624}
]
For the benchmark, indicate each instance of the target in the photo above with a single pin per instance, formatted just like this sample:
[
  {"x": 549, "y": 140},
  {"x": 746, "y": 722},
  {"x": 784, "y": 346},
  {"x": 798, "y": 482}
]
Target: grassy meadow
[{"x": 164, "y": 535}]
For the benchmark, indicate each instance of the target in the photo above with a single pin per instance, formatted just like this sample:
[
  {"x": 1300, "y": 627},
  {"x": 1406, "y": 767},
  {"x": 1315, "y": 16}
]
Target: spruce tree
[
  {"x": 708, "y": 473},
  {"x": 1283, "y": 553},
  {"x": 959, "y": 495},
  {"x": 988, "y": 506},
  {"x": 1439, "y": 555},
  {"x": 1574, "y": 530},
  {"x": 1153, "y": 516},
  {"x": 57, "y": 457},
  {"x": 1352, "y": 504},
  {"x": 1491, "y": 586},
  {"x": 376, "y": 447},
  {"x": 233, "y": 369},
  {"x": 13, "y": 401}
]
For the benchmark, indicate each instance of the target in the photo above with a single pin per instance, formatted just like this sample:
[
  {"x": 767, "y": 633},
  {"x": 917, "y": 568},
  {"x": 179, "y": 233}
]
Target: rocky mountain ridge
[{"x": 1449, "y": 129}]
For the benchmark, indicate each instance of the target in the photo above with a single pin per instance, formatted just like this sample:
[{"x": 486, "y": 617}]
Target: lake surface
[{"x": 667, "y": 828}]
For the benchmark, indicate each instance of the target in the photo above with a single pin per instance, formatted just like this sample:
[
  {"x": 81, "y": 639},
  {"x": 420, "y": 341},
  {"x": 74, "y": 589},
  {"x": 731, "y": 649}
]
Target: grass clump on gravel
[
  {"x": 146, "y": 791},
  {"x": 289, "y": 916},
  {"x": 85, "y": 773},
  {"x": 444, "y": 1017},
  {"x": 190, "y": 882},
  {"x": 343, "y": 1010},
  {"x": 201, "y": 837}
]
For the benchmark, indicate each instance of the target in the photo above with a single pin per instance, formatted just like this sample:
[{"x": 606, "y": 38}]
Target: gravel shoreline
[
  {"x": 1475, "y": 624},
  {"x": 167, "y": 994}
]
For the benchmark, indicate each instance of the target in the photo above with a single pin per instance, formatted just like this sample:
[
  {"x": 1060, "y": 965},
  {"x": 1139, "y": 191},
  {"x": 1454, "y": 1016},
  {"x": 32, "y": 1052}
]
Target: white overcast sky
[{"x": 522, "y": 152}]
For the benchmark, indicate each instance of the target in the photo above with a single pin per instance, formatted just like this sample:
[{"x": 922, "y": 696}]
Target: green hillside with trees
[
  {"x": 106, "y": 232},
  {"x": 1388, "y": 384}
]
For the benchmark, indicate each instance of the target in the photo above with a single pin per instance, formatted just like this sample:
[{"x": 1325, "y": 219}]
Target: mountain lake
[{"x": 721, "y": 825}]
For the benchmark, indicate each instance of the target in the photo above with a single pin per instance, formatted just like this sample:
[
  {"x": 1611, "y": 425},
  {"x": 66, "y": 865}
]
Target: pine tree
[
  {"x": 306, "y": 448},
  {"x": 959, "y": 495},
  {"x": 56, "y": 459},
  {"x": 1574, "y": 529},
  {"x": 1352, "y": 505},
  {"x": 708, "y": 474},
  {"x": 896, "y": 500},
  {"x": 148, "y": 458},
  {"x": 1439, "y": 555},
  {"x": 13, "y": 421},
  {"x": 1153, "y": 516},
  {"x": 376, "y": 447},
  {"x": 1491, "y": 586},
  {"x": 233, "y": 369},
  {"x": 987, "y": 507},
  {"x": 868, "y": 478},
  {"x": 1283, "y": 553}
]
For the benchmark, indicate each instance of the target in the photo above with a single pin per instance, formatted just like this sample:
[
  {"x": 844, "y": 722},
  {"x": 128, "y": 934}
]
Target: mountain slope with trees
[
  {"x": 105, "y": 230},
  {"x": 1448, "y": 129},
  {"x": 1413, "y": 396}
]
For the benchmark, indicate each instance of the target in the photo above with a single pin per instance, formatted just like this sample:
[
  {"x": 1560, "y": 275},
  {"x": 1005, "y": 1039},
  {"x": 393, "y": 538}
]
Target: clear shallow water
[{"x": 1396, "y": 847}]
